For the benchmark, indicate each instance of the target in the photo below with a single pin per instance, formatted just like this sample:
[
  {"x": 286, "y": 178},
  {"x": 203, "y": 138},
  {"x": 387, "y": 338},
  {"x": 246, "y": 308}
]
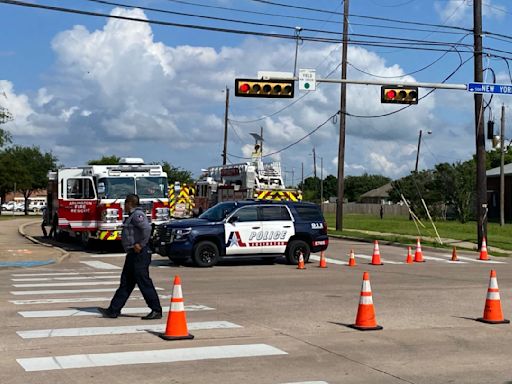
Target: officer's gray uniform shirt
[{"x": 136, "y": 230}]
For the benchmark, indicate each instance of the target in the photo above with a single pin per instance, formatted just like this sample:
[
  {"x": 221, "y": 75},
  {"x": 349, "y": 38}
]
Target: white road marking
[
  {"x": 58, "y": 274},
  {"x": 67, "y": 278},
  {"x": 309, "y": 382},
  {"x": 75, "y": 300},
  {"x": 475, "y": 260},
  {"x": 384, "y": 261},
  {"x": 93, "y": 311},
  {"x": 329, "y": 260},
  {"x": 100, "y": 265},
  {"x": 66, "y": 291},
  {"x": 147, "y": 357},
  {"x": 67, "y": 284},
  {"x": 119, "y": 330},
  {"x": 439, "y": 259},
  {"x": 109, "y": 255}
]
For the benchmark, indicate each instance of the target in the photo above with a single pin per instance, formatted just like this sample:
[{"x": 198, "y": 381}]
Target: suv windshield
[{"x": 218, "y": 212}]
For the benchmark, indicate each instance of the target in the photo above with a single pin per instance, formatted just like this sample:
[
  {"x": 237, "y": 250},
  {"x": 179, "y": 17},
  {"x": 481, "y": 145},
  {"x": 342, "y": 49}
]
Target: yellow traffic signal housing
[
  {"x": 264, "y": 88},
  {"x": 397, "y": 94}
]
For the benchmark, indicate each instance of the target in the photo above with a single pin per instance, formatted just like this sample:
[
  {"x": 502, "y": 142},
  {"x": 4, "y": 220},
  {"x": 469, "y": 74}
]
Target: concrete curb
[{"x": 21, "y": 230}]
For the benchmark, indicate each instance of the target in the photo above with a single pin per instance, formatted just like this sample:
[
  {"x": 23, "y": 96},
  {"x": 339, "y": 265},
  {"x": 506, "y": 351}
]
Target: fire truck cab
[{"x": 88, "y": 202}]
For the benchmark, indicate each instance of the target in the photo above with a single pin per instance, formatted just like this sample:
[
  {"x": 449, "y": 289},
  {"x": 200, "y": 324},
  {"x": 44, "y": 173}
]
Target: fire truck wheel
[
  {"x": 295, "y": 247},
  {"x": 206, "y": 254},
  {"x": 85, "y": 239}
]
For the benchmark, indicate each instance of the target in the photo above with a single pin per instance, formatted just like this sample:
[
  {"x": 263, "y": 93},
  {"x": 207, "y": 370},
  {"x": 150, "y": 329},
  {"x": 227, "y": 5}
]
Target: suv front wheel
[
  {"x": 295, "y": 247},
  {"x": 206, "y": 254}
]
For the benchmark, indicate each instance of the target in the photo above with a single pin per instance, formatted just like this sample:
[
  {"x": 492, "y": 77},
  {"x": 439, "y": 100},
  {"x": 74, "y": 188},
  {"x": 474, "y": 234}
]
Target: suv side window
[
  {"x": 309, "y": 213},
  {"x": 249, "y": 213},
  {"x": 275, "y": 213}
]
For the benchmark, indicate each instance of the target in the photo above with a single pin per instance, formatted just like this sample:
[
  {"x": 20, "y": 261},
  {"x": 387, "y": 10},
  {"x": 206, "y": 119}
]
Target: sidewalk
[
  {"x": 18, "y": 249},
  {"x": 465, "y": 245}
]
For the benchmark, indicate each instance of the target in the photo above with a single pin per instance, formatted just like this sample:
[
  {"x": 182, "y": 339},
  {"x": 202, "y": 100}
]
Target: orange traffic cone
[
  {"x": 365, "y": 319},
  {"x": 301, "y": 265},
  {"x": 352, "y": 260},
  {"x": 454, "y": 254},
  {"x": 376, "y": 254},
  {"x": 483, "y": 251},
  {"x": 323, "y": 262},
  {"x": 418, "y": 255},
  {"x": 176, "y": 328},
  {"x": 409, "y": 256},
  {"x": 492, "y": 309}
]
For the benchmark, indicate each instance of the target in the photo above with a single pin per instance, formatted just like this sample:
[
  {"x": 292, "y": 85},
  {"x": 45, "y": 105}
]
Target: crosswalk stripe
[
  {"x": 66, "y": 291},
  {"x": 147, "y": 357},
  {"x": 75, "y": 300},
  {"x": 329, "y": 260},
  {"x": 67, "y": 284},
  {"x": 93, "y": 311},
  {"x": 108, "y": 255},
  {"x": 59, "y": 274},
  {"x": 100, "y": 265},
  {"x": 440, "y": 259},
  {"x": 120, "y": 330},
  {"x": 384, "y": 261},
  {"x": 65, "y": 278}
]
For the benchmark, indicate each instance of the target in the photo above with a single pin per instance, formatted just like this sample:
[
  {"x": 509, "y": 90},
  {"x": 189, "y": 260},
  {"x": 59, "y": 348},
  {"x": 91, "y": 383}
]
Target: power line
[{"x": 295, "y": 7}]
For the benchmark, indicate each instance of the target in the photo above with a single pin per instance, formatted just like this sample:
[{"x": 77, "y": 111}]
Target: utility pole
[
  {"x": 302, "y": 176},
  {"x": 418, "y": 152},
  {"x": 343, "y": 110},
  {"x": 314, "y": 163},
  {"x": 261, "y": 145},
  {"x": 502, "y": 168},
  {"x": 481, "y": 177},
  {"x": 322, "y": 183},
  {"x": 225, "y": 151}
]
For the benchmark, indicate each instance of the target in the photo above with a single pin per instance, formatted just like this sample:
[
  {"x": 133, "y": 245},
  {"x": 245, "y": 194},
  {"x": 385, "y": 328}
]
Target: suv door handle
[
  {"x": 287, "y": 226},
  {"x": 255, "y": 227}
]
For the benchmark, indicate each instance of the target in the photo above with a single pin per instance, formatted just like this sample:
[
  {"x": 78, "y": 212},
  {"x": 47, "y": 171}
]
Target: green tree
[
  {"x": 177, "y": 174},
  {"x": 5, "y": 138},
  {"x": 493, "y": 158},
  {"x": 355, "y": 186},
  {"x": 456, "y": 184},
  {"x": 27, "y": 167},
  {"x": 415, "y": 187},
  {"x": 105, "y": 160}
]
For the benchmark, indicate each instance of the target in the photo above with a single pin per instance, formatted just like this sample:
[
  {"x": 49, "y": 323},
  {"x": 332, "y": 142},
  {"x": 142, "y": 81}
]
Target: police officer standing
[{"x": 135, "y": 238}]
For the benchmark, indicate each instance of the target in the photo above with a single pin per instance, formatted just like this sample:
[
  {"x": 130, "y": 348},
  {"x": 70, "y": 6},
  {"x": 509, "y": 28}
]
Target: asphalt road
[{"x": 259, "y": 323}]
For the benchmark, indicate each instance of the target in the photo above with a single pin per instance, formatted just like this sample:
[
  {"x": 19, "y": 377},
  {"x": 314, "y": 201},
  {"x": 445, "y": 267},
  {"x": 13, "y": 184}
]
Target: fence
[{"x": 368, "y": 209}]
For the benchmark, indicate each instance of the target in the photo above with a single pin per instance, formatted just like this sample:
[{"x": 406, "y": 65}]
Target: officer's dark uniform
[{"x": 136, "y": 230}]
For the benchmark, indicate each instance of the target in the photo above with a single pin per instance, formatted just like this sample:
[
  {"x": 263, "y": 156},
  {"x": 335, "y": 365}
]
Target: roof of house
[
  {"x": 496, "y": 171},
  {"x": 382, "y": 191}
]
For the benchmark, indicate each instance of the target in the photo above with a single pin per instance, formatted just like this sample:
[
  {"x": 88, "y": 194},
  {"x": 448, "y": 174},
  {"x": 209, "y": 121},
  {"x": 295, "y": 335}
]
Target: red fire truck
[{"x": 88, "y": 202}]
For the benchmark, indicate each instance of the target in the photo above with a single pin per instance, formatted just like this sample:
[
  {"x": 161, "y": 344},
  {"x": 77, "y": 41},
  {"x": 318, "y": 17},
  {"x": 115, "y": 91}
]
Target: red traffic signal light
[
  {"x": 264, "y": 88},
  {"x": 399, "y": 94}
]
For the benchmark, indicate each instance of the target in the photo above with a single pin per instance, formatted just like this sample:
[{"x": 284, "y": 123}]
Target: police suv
[{"x": 244, "y": 228}]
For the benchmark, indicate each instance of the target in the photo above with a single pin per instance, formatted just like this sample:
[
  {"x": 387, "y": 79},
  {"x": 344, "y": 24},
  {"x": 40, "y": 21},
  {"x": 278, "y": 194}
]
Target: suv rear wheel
[
  {"x": 206, "y": 254},
  {"x": 295, "y": 247}
]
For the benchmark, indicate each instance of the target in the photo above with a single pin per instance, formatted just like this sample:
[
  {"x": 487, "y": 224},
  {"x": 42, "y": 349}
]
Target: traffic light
[
  {"x": 264, "y": 88},
  {"x": 398, "y": 94}
]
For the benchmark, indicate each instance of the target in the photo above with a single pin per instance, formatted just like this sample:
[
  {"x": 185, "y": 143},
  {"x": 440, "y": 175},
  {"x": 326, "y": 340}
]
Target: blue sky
[{"x": 84, "y": 86}]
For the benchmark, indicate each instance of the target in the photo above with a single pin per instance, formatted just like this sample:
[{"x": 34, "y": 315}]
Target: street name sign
[
  {"x": 502, "y": 89},
  {"x": 307, "y": 79}
]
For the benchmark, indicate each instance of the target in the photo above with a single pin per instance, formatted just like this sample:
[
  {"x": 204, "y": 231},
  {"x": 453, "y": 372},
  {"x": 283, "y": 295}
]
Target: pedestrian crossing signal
[
  {"x": 397, "y": 94},
  {"x": 264, "y": 88}
]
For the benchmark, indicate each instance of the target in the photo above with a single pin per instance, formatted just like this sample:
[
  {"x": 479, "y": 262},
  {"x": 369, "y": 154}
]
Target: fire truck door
[{"x": 241, "y": 231}]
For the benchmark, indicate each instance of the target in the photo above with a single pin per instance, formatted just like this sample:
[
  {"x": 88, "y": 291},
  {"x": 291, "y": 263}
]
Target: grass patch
[{"x": 398, "y": 227}]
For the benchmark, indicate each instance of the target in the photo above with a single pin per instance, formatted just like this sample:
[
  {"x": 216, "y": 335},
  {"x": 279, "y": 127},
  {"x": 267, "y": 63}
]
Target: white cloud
[
  {"x": 455, "y": 11},
  {"x": 116, "y": 90}
]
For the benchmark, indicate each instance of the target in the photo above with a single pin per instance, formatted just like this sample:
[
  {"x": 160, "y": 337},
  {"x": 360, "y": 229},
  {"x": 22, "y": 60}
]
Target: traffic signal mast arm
[{"x": 461, "y": 87}]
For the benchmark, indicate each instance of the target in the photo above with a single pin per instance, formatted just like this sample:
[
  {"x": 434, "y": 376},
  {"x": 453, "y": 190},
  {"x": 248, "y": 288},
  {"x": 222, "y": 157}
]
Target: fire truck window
[
  {"x": 247, "y": 214},
  {"x": 116, "y": 187},
  {"x": 80, "y": 189},
  {"x": 151, "y": 187},
  {"x": 275, "y": 213},
  {"x": 88, "y": 189}
]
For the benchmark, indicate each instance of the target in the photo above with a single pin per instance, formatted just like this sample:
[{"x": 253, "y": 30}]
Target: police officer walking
[{"x": 135, "y": 238}]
